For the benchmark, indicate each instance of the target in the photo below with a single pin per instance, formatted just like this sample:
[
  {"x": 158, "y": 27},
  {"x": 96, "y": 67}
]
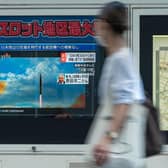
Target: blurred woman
[{"x": 121, "y": 85}]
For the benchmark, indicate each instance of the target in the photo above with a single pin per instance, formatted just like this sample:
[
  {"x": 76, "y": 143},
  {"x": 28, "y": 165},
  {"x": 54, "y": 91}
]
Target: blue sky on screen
[{"x": 22, "y": 78}]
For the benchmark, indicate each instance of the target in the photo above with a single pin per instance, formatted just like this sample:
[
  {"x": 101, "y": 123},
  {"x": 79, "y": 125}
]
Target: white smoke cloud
[{"x": 24, "y": 87}]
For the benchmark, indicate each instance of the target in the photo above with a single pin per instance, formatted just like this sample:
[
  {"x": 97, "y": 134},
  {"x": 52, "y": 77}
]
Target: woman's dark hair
[{"x": 116, "y": 14}]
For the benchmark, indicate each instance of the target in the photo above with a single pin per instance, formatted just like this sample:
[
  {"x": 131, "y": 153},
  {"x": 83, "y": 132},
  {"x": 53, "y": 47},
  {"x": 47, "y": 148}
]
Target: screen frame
[{"x": 37, "y": 127}]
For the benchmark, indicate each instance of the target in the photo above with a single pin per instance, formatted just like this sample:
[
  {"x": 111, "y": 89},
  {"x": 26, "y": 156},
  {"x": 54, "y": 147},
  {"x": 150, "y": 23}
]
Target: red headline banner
[{"x": 47, "y": 28}]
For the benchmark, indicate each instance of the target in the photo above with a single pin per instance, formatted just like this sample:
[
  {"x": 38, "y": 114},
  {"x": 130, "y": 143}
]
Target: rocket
[{"x": 41, "y": 98}]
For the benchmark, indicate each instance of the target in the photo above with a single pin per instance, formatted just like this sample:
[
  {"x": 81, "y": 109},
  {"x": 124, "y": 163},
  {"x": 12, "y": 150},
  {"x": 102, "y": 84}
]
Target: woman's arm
[
  {"x": 120, "y": 112},
  {"x": 121, "y": 88},
  {"x": 101, "y": 150}
]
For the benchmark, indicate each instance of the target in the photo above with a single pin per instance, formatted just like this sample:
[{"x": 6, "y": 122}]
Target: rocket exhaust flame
[{"x": 2, "y": 86}]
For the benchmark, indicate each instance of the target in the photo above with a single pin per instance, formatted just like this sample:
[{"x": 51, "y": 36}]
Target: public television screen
[
  {"x": 47, "y": 82},
  {"x": 51, "y": 67},
  {"x": 49, "y": 71}
]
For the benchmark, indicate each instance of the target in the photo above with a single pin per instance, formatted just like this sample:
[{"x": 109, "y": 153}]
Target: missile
[{"x": 41, "y": 98}]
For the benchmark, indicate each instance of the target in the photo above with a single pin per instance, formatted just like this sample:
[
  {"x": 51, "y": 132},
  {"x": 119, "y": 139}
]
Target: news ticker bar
[{"x": 47, "y": 47}]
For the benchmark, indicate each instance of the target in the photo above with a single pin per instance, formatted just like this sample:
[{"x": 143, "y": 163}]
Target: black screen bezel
[{"x": 49, "y": 130}]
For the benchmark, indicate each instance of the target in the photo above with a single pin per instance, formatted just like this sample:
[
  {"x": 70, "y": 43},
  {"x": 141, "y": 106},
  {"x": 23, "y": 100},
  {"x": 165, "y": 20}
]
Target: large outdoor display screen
[
  {"x": 49, "y": 71},
  {"x": 46, "y": 80}
]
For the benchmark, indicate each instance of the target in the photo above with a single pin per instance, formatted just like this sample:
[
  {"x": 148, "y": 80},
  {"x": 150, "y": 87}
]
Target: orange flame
[{"x": 2, "y": 87}]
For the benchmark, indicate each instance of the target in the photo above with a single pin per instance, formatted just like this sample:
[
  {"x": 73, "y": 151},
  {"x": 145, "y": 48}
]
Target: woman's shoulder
[
  {"x": 123, "y": 53},
  {"x": 123, "y": 56}
]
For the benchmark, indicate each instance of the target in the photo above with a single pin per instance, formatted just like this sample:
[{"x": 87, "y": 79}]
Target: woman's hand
[{"x": 101, "y": 150}]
